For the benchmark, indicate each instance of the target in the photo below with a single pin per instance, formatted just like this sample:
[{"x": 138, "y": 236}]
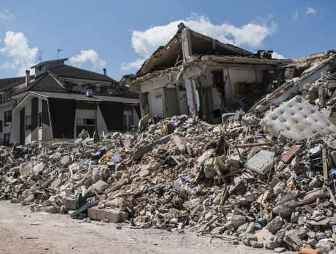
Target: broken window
[
  {"x": 8, "y": 117},
  {"x": 219, "y": 85},
  {"x": 86, "y": 122},
  {"x": 218, "y": 79}
]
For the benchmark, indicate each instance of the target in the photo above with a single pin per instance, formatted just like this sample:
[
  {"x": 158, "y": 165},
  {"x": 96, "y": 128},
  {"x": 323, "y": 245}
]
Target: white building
[{"x": 59, "y": 100}]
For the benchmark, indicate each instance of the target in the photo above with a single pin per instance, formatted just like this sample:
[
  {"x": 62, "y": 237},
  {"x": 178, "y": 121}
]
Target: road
[{"x": 40, "y": 233}]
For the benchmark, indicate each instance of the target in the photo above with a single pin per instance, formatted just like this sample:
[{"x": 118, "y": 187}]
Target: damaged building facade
[
  {"x": 59, "y": 101},
  {"x": 195, "y": 74}
]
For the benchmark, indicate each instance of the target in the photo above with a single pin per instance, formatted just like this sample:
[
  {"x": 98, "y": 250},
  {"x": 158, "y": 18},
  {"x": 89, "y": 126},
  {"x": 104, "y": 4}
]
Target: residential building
[
  {"x": 59, "y": 101},
  {"x": 196, "y": 74}
]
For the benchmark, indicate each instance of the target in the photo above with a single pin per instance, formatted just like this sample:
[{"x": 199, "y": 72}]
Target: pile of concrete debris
[{"x": 266, "y": 178}]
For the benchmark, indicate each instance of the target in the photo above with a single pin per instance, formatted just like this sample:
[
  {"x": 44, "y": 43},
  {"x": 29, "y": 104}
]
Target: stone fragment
[
  {"x": 38, "y": 168},
  {"x": 66, "y": 160},
  {"x": 261, "y": 162},
  {"x": 275, "y": 225},
  {"x": 98, "y": 187},
  {"x": 292, "y": 240},
  {"x": 107, "y": 215}
]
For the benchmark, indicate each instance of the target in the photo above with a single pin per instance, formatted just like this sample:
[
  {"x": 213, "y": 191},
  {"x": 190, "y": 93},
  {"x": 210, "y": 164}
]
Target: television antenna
[{"x": 59, "y": 52}]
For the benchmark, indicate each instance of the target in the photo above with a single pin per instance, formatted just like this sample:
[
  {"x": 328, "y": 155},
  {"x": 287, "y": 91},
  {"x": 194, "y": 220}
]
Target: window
[
  {"x": 218, "y": 78},
  {"x": 28, "y": 122},
  {"x": 103, "y": 90},
  {"x": 3, "y": 98},
  {"x": 6, "y": 139},
  {"x": 45, "y": 113},
  {"x": 86, "y": 122},
  {"x": 1, "y": 128},
  {"x": 39, "y": 119},
  {"x": 7, "y": 117}
]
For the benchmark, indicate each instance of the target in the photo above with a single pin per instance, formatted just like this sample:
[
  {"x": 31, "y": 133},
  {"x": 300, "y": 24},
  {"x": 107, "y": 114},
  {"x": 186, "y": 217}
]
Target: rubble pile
[{"x": 266, "y": 178}]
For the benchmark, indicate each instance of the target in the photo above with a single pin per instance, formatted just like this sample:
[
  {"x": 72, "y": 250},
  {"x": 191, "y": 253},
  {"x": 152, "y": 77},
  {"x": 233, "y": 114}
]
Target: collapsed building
[
  {"x": 265, "y": 178},
  {"x": 196, "y": 74},
  {"x": 59, "y": 101}
]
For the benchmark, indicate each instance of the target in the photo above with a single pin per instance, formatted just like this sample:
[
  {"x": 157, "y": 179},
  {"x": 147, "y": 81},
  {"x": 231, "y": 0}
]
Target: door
[
  {"x": 156, "y": 101},
  {"x": 22, "y": 126},
  {"x": 172, "y": 104}
]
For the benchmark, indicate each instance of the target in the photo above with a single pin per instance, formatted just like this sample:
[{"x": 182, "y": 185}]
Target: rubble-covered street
[
  {"x": 264, "y": 179},
  {"x": 39, "y": 233}
]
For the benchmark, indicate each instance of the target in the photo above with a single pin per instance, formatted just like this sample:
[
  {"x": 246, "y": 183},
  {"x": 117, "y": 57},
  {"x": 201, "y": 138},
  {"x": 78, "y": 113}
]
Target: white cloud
[
  {"x": 310, "y": 11},
  {"x": 88, "y": 57},
  {"x": 19, "y": 55},
  {"x": 277, "y": 56},
  {"x": 135, "y": 65},
  {"x": 251, "y": 35}
]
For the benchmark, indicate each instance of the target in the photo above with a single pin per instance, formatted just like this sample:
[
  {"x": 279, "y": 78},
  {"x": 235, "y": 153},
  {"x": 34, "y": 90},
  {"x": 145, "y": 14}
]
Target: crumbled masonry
[{"x": 243, "y": 180}]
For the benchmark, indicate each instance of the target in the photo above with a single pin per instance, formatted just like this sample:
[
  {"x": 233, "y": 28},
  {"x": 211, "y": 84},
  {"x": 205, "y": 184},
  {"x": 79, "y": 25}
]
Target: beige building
[{"x": 195, "y": 74}]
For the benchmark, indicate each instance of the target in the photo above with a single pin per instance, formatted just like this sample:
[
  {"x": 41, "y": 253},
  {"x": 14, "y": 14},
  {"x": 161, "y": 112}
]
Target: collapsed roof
[{"x": 171, "y": 55}]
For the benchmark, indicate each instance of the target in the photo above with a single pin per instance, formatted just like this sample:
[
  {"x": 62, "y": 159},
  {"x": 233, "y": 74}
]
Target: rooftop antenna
[{"x": 59, "y": 52}]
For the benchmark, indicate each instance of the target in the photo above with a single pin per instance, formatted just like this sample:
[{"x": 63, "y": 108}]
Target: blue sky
[{"x": 119, "y": 35}]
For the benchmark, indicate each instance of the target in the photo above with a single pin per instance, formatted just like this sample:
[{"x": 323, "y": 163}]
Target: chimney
[
  {"x": 104, "y": 71},
  {"x": 27, "y": 77}
]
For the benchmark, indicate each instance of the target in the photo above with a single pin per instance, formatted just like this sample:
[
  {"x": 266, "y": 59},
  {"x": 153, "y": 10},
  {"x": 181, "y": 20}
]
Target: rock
[
  {"x": 311, "y": 197},
  {"x": 292, "y": 240},
  {"x": 261, "y": 162},
  {"x": 56, "y": 156},
  {"x": 275, "y": 225},
  {"x": 256, "y": 244},
  {"x": 279, "y": 250},
  {"x": 236, "y": 221},
  {"x": 325, "y": 246},
  {"x": 267, "y": 238},
  {"x": 38, "y": 168},
  {"x": 285, "y": 210},
  {"x": 98, "y": 187},
  {"x": 69, "y": 203},
  {"x": 66, "y": 160},
  {"x": 107, "y": 215}
]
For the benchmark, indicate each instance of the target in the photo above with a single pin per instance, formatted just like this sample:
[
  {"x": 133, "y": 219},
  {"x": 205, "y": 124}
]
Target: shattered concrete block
[
  {"x": 38, "y": 168},
  {"x": 66, "y": 160},
  {"x": 26, "y": 169},
  {"x": 236, "y": 221},
  {"x": 69, "y": 203},
  {"x": 275, "y": 225},
  {"x": 261, "y": 162},
  {"x": 292, "y": 240},
  {"x": 99, "y": 186},
  {"x": 180, "y": 142},
  {"x": 107, "y": 215}
]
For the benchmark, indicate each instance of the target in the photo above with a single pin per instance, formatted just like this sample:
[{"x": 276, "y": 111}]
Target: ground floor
[
  {"x": 42, "y": 116},
  {"x": 30, "y": 233},
  {"x": 205, "y": 90}
]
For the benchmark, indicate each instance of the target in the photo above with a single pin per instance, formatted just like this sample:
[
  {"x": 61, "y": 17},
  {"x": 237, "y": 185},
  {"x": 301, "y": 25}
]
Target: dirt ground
[{"x": 24, "y": 232}]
